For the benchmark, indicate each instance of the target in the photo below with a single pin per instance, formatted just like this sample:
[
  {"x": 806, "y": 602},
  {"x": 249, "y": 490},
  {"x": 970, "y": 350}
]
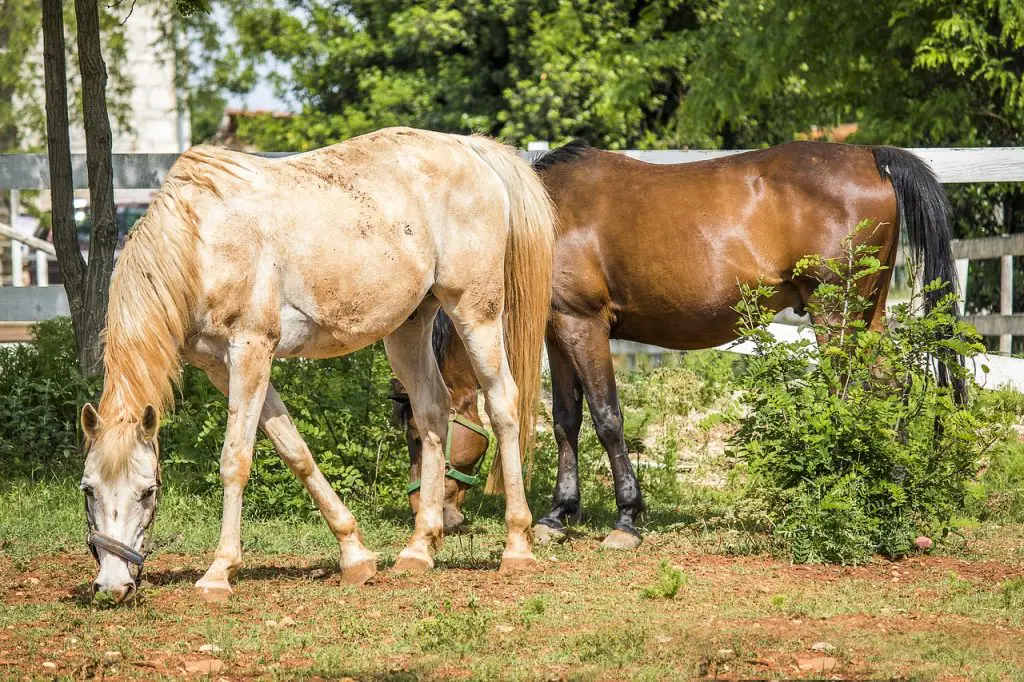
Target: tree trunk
[
  {"x": 58, "y": 147},
  {"x": 98, "y": 143}
]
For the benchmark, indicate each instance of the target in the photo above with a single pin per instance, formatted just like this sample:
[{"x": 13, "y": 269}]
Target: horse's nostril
[{"x": 96, "y": 587}]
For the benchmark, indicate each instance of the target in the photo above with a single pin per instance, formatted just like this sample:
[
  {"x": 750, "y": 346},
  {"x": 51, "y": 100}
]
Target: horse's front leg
[{"x": 249, "y": 360}]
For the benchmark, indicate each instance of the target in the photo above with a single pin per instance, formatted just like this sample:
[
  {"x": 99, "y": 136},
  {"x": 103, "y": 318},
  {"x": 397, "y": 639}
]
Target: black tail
[{"x": 925, "y": 213}]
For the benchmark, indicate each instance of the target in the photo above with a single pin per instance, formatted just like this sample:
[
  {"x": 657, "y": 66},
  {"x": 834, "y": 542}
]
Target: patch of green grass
[
  {"x": 1013, "y": 593},
  {"x": 670, "y": 579},
  {"x": 612, "y": 648},
  {"x": 451, "y": 631}
]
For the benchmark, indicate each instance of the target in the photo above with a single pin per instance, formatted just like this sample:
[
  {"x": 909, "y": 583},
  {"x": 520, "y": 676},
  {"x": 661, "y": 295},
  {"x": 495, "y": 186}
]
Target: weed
[
  {"x": 670, "y": 579},
  {"x": 1013, "y": 594}
]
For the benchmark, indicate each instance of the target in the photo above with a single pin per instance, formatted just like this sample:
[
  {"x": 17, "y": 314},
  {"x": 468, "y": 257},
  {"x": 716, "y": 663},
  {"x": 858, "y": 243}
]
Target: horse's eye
[
  {"x": 146, "y": 496},
  {"x": 87, "y": 489}
]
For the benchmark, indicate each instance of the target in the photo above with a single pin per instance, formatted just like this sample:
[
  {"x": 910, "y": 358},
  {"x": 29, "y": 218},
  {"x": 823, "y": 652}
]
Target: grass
[{"x": 670, "y": 610}]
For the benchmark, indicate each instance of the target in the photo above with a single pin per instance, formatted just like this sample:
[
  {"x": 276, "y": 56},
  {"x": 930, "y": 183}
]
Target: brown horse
[{"x": 657, "y": 253}]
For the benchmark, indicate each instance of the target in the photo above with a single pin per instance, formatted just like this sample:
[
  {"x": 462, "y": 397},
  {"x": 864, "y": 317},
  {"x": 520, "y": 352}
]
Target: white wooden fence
[{"x": 967, "y": 165}]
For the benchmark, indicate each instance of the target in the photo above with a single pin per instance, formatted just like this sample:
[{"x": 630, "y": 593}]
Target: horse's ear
[
  {"x": 90, "y": 421},
  {"x": 149, "y": 425}
]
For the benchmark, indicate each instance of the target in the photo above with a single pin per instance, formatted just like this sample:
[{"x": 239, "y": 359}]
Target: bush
[
  {"x": 850, "y": 443},
  {"x": 340, "y": 407},
  {"x": 40, "y": 393}
]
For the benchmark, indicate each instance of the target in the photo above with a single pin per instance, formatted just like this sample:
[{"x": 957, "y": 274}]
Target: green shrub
[
  {"x": 40, "y": 393},
  {"x": 850, "y": 443}
]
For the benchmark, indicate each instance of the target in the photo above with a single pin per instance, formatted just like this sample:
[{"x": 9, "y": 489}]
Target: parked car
[{"x": 126, "y": 215}]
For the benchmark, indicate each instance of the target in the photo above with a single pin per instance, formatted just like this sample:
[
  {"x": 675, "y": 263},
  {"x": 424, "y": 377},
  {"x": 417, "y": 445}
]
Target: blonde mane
[{"x": 154, "y": 292}]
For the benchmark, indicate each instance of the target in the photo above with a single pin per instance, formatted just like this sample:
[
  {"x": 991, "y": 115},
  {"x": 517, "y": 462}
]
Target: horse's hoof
[
  {"x": 620, "y": 539},
  {"x": 517, "y": 563},
  {"x": 544, "y": 534},
  {"x": 413, "y": 564},
  {"x": 214, "y": 591},
  {"x": 359, "y": 573}
]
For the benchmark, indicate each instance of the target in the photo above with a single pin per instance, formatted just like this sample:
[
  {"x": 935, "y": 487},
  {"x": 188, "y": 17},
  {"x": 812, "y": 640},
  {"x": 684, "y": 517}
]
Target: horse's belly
[
  {"x": 333, "y": 317},
  {"x": 680, "y": 330}
]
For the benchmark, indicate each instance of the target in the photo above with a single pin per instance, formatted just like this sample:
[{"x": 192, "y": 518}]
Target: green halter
[{"x": 451, "y": 472}]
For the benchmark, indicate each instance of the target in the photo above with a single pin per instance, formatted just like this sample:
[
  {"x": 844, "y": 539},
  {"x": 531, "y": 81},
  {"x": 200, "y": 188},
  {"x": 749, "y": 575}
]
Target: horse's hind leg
[
  {"x": 358, "y": 564},
  {"x": 567, "y": 411},
  {"x": 586, "y": 342},
  {"x": 484, "y": 340},
  {"x": 412, "y": 360}
]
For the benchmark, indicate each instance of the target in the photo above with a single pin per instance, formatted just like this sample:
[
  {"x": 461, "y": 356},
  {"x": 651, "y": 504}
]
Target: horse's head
[
  {"x": 467, "y": 448},
  {"x": 121, "y": 484}
]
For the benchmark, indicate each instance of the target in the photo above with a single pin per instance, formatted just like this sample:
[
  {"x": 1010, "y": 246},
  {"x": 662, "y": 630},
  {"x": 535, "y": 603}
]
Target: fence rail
[{"x": 147, "y": 171}]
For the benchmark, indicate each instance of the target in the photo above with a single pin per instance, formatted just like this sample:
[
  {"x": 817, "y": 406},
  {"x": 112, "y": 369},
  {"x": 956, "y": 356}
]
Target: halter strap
[
  {"x": 115, "y": 547},
  {"x": 450, "y": 471}
]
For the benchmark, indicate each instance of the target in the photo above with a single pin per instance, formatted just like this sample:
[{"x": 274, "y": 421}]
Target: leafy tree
[
  {"x": 22, "y": 119},
  {"x": 519, "y": 70},
  {"x": 661, "y": 73}
]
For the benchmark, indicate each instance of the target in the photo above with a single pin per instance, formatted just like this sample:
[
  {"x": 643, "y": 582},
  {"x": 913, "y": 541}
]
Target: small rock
[
  {"x": 33, "y": 581},
  {"x": 924, "y": 542},
  {"x": 287, "y": 622},
  {"x": 49, "y": 665},
  {"x": 725, "y": 654},
  {"x": 205, "y": 666},
  {"x": 503, "y": 629},
  {"x": 112, "y": 655},
  {"x": 796, "y": 621},
  {"x": 662, "y": 639},
  {"x": 819, "y": 664},
  {"x": 209, "y": 649},
  {"x": 823, "y": 646},
  {"x": 317, "y": 573},
  {"x": 270, "y": 623},
  {"x": 552, "y": 558},
  {"x": 73, "y": 641}
]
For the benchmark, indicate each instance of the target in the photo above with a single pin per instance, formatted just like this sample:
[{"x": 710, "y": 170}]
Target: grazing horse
[
  {"x": 657, "y": 254},
  {"x": 240, "y": 260}
]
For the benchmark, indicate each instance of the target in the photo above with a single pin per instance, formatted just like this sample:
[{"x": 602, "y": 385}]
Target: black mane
[{"x": 568, "y": 152}]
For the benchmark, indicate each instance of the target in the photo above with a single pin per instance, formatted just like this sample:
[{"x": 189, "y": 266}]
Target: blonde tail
[{"x": 528, "y": 264}]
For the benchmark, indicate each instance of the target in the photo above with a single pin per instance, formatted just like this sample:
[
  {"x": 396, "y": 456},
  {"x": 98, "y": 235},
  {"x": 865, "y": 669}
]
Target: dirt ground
[{"x": 581, "y": 614}]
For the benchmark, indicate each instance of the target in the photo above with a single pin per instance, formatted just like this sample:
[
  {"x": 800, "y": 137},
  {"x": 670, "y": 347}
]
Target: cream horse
[{"x": 241, "y": 260}]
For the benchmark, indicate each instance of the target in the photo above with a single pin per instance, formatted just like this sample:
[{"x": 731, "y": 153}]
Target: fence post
[
  {"x": 1006, "y": 300},
  {"x": 962, "y": 265},
  {"x": 42, "y": 269},
  {"x": 17, "y": 267}
]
